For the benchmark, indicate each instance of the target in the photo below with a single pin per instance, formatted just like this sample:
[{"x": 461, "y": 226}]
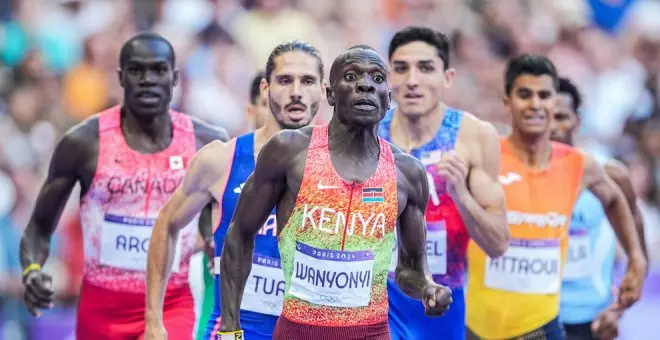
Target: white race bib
[
  {"x": 528, "y": 266},
  {"x": 125, "y": 242},
  {"x": 264, "y": 290},
  {"x": 436, "y": 249},
  {"x": 332, "y": 277},
  {"x": 578, "y": 259}
]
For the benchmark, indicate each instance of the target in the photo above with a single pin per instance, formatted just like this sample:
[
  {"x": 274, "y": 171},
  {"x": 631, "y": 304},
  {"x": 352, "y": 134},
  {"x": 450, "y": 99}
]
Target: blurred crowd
[{"x": 58, "y": 61}]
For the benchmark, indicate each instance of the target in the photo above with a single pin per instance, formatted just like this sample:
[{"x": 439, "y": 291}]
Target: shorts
[
  {"x": 289, "y": 330},
  {"x": 580, "y": 331},
  {"x": 255, "y": 326},
  {"x": 553, "y": 330},
  {"x": 408, "y": 321},
  {"x": 110, "y": 315}
]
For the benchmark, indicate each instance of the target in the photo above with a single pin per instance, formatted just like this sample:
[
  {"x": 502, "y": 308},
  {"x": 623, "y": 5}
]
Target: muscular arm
[
  {"x": 619, "y": 174},
  {"x": 484, "y": 209},
  {"x": 201, "y": 181},
  {"x": 62, "y": 177},
  {"x": 205, "y": 225},
  {"x": 616, "y": 208},
  {"x": 260, "y": 194},
  {"x": 411, "y": 272}
]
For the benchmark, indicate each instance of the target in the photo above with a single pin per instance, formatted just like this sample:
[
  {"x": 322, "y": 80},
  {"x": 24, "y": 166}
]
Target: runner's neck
[
  {"x": 358, "y": 142},
  {"x": 413, "y": 132}
]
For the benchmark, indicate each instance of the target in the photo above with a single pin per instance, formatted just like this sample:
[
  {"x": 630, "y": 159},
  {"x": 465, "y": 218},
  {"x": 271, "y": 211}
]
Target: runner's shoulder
[
  {"x": 408, "y": 166},
  {"x": 477, "y": 129},
  {"x": 206, "y": 133},
  {"x": 81, "y": 137},
  {"x": 291, "y": 142}
]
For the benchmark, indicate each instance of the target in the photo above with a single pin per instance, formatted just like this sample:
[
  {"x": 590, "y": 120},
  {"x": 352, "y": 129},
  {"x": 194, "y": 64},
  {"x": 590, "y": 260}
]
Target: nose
[
  {"x": 296, "y": 91},
  {"x": 535, "y": 102},
  {"x": 365, "y": 86},
  {"x": 147, "y": 78},
  {"x": 412, "y": 79}
]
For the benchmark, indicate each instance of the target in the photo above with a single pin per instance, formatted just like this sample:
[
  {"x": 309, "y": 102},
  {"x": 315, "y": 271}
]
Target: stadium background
[{"x": 59, "y": 57}]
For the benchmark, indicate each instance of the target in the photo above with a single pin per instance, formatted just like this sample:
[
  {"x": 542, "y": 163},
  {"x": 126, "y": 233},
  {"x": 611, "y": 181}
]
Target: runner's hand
[
  {"x": 606, "y": 326},
  {"x": 630, "y": 289},
  {"x": 38, "y": 291},
  {"x": 436, "y": 299},
  {"x": 155, "y": 332},
  {"x": 455, "y": 172}
]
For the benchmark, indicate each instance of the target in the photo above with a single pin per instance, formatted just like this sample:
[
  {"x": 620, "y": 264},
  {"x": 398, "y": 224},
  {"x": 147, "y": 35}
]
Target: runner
[
  {"x": 257, "y": 109},
  {"x": 588, "y": 310},
  {"x": 374, "y": 187},
  {"x": 517, "y": 295},
  {"x": 258, "y": 112},
  {"x": 426, "y": 128},
  {"x": 128, "y": 161},
  {"x": 293, "y": 84}
]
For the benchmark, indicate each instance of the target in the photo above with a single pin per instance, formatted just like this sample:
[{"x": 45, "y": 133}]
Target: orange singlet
[{"x": 519, "y": 291}]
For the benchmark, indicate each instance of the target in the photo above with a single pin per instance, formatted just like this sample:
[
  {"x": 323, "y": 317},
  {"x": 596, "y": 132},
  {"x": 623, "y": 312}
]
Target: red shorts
[
  {"x": 109, "y": 315},
  {"x": 287, "y": 330}
]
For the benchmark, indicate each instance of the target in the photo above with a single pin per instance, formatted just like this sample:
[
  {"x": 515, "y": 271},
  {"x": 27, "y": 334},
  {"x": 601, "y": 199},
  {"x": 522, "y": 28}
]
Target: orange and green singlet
[{"x": 337, "y": 245}]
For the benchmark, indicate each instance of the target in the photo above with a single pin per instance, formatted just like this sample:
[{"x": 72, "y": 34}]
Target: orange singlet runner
[{"x": 518, "y": 292}]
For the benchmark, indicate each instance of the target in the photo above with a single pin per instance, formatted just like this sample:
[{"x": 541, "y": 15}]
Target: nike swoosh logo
[{"x": 324, "y": 187}]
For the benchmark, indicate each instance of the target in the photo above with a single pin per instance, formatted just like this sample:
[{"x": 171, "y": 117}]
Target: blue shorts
[
  {"x": 408, "y": 321},
  {"x": 255, "y": 326}
]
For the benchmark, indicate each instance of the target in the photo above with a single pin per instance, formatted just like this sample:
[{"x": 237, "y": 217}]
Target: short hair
[
  {"x": 292, "y": 46},
  {"x": 424, "y": 34},
  {"x": 536, "y": 65},
  {"x": 566, "y": 86},
  {"x": 362, "y": 47},
  {"x": 255, "y": 87},
  {"x": 144, "y": 35}
]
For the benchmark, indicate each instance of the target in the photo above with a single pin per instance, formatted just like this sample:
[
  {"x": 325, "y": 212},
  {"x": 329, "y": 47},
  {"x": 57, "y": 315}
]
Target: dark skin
[
  {"x": 147, "y": 66},
  {"x": 360, "y": 95}
]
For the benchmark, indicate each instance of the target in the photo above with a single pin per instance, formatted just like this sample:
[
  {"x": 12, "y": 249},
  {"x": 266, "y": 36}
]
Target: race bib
[
  {"x": 264, "y": 290},
  {"x": 528, "y": 266},
  {"x": 436, "y": 249},
  {"x": 332, "y": 277},
  {"x": 125, "y": 242},
  {"x": 578, "y": 259}
]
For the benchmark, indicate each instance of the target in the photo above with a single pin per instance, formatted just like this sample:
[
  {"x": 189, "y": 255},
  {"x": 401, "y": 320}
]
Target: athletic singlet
[
  {"x": 447, "y": 238},
  {"x": 264, "y": 290},
  {"x": 519, "y": 291},
  {"x": 337, "y": 244},
  {"x": 588, "y": 273},
  {"x": 446, "y": 244},
  {"x": 119, "y": 209}
]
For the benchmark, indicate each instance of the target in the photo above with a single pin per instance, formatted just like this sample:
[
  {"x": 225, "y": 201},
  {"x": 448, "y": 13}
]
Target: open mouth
[
  {"x": 296, "y": 111},
  {"x": 366, "y": 105}
]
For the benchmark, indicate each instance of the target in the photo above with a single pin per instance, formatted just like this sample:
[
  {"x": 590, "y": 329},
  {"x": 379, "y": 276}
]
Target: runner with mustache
[{"x": 293, "y": 86}]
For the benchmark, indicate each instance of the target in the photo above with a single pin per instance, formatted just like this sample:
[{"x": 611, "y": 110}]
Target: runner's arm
[
  {"x": 53, "y": 196},
  {"x": 205, "y": 225},
  {"x": 616, "y": 207},
  {"x": 412, "y": 273},
  {"x": 484, "y": 211},
  {"x": 194, "y": 193},
  {"x": 618, "y": 172},
  {"x": 259, "y": 196},
  {"x": 619, "y": 215}
]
